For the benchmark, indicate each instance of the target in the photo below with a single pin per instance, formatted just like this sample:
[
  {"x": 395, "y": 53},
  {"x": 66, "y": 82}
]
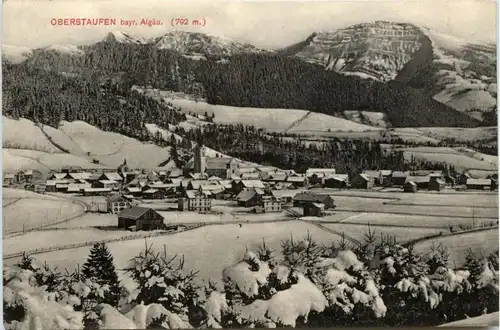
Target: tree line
[{"x": 375, "y": 282}]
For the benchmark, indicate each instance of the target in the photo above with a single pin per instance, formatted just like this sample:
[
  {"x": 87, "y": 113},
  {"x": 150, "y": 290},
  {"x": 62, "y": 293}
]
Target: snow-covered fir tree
[
  {"x": 161, "y": 279},
  {"x": 100, "y": 269}
]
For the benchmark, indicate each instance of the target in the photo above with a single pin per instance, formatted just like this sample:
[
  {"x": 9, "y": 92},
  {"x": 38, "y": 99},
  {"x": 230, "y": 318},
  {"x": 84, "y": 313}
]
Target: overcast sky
[{"x": 263, "y": 24}]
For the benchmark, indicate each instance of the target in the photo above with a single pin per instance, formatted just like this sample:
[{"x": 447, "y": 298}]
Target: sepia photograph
[{"x": 238, "y": 164}]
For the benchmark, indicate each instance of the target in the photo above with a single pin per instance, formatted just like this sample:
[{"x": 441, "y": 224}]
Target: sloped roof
[
  {"x": 399, "y": 174},
  {"x": 134, "y": 212},
  {"x": 115, "y": 198},
  {"x": 480, "y": 182},
  {"x": 251, "y": 175},
  {"x": 410, "y": 183},
  {"x": 253, "y": 184},
  {"x": 339, "y": 177},
  {"x": 308, "y": 197},
  {"x": 94, "y": 176},
  {"x": 385, "y": 172},
  {"x": 107, "y": 181},
  {"x": 365, "y": 176},
  {"x": 226, "y": 184},
  {"x": 217, "y": 163},
  {"x": 196, "y": 184},
  {"x": 278, "y": 177},
  {"x": 418, "y": 179},
  {"x": 113, "y": 176},
  {"x": 80, "y": 175},
  {"x": 198, "y": 176},
  {"x": 59, "y": 175},
  {"x": 295, "y": 179},
  {"x": 175, "y": 173},
  {"x": 283, "y": 193},
  {"x": 319, "y": 205},
  {"x": 245, "y": 195},
  {"x": 311, "y": 171},
  {"x": 97, "y": 189},
  {"x": 211, "y": 186},
  {"x": 371, "y": 174}
]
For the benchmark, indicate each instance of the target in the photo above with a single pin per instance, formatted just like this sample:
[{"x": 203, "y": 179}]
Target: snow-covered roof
[
  {"x": 245, "y": 195},
  {"x": 253, "y": 184},
  {"x": 107, "y": 181},
  {"x": 134, "y": 212},
  {"x": 113, "y": 176},
  {"x": 479, "y": 182},
  {"x": 295, "y": 179},
  {"x": 339, "y": 177},
  {"x": 311, "y": 171},
  {"x": 97, "y": 189}
]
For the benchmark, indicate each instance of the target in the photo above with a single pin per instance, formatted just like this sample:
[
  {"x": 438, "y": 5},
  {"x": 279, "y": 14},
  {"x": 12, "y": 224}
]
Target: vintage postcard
[{"x": 183, "y": 164}]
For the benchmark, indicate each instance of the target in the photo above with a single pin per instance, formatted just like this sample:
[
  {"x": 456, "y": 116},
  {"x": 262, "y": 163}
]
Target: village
[{"x": 206, "y": 182}]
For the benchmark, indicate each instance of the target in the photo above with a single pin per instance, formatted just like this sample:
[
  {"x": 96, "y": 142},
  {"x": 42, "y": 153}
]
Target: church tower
[{"x": 199, "y": 159}]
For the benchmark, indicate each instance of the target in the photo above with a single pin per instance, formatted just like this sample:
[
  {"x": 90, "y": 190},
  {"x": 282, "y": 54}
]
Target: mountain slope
[
  {"x": 247, "y": 78},
  {"x": 453, "y": 71}
]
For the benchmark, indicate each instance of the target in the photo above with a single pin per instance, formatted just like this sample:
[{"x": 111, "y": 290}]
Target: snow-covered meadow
[
  {"x": 23, "y": 210},
  {"x": 207, "y": 249}
]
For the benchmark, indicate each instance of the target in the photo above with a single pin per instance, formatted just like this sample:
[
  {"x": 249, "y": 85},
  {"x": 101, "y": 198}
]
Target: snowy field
[
  {"x": 481, "y": 241},
  {"x": 461, "y": 160},
  {"x": 28, "y": 213},
  {"x": 450, "y": 198},
  {"x": 275, "y": 120},
  {"x": 17, "y": 159},
  {"x": 112, "y": 148},
  {"x": 388, "y": 219},
  {"x": 461, "y": 134},
  {"x": 357, "y": 204},
  {"x": 31, "y": 138},
  {"x": 402, "y": 235},
  {"x": 208, "y": 249},
  {"x": 36, "y": 151},
  {"x": 89, "y": 220},
  {"x": 49, "y": 238}
]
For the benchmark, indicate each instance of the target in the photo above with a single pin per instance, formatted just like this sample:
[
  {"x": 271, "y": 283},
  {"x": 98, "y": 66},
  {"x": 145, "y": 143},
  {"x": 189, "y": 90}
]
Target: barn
[
  {"x": 410, "y": 186},
  {"x": 140, "y": 218},
  {"x": 314, "y": 209},
  {"x": 479, "y": 184},
  {"x": 398, "y": 178},
  {"x": 338, "y": 181},
  {"x": 436, "y": 185},
  {"x": 362, "y": 181}
]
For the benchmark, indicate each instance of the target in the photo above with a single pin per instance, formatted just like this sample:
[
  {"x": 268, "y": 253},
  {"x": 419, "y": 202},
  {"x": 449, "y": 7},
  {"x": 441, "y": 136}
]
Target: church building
[{"x": 222, "y": 167}]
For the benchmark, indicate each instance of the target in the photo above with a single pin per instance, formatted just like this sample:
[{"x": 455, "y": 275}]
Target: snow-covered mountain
[
  {"x": 191, "y": 43},
  {"x": 15, "y": 54},
  {"x": 453, "y": 71},
  {"x": 457, "y": 73},
  {"x": 125, "y": 38},
  {"x": 376, "y": 50}
]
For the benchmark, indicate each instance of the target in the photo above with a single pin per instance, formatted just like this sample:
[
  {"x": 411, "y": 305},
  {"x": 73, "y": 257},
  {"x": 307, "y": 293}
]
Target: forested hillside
[
  {"x": 252, "y": 80},
  {"x": 346, "y": 156},
  {"x": 48, "y": 98}
]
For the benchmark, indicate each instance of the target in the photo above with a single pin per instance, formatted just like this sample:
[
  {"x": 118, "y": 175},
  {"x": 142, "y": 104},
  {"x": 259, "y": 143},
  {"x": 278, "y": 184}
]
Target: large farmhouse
[{"x": 140, "y": 218}]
